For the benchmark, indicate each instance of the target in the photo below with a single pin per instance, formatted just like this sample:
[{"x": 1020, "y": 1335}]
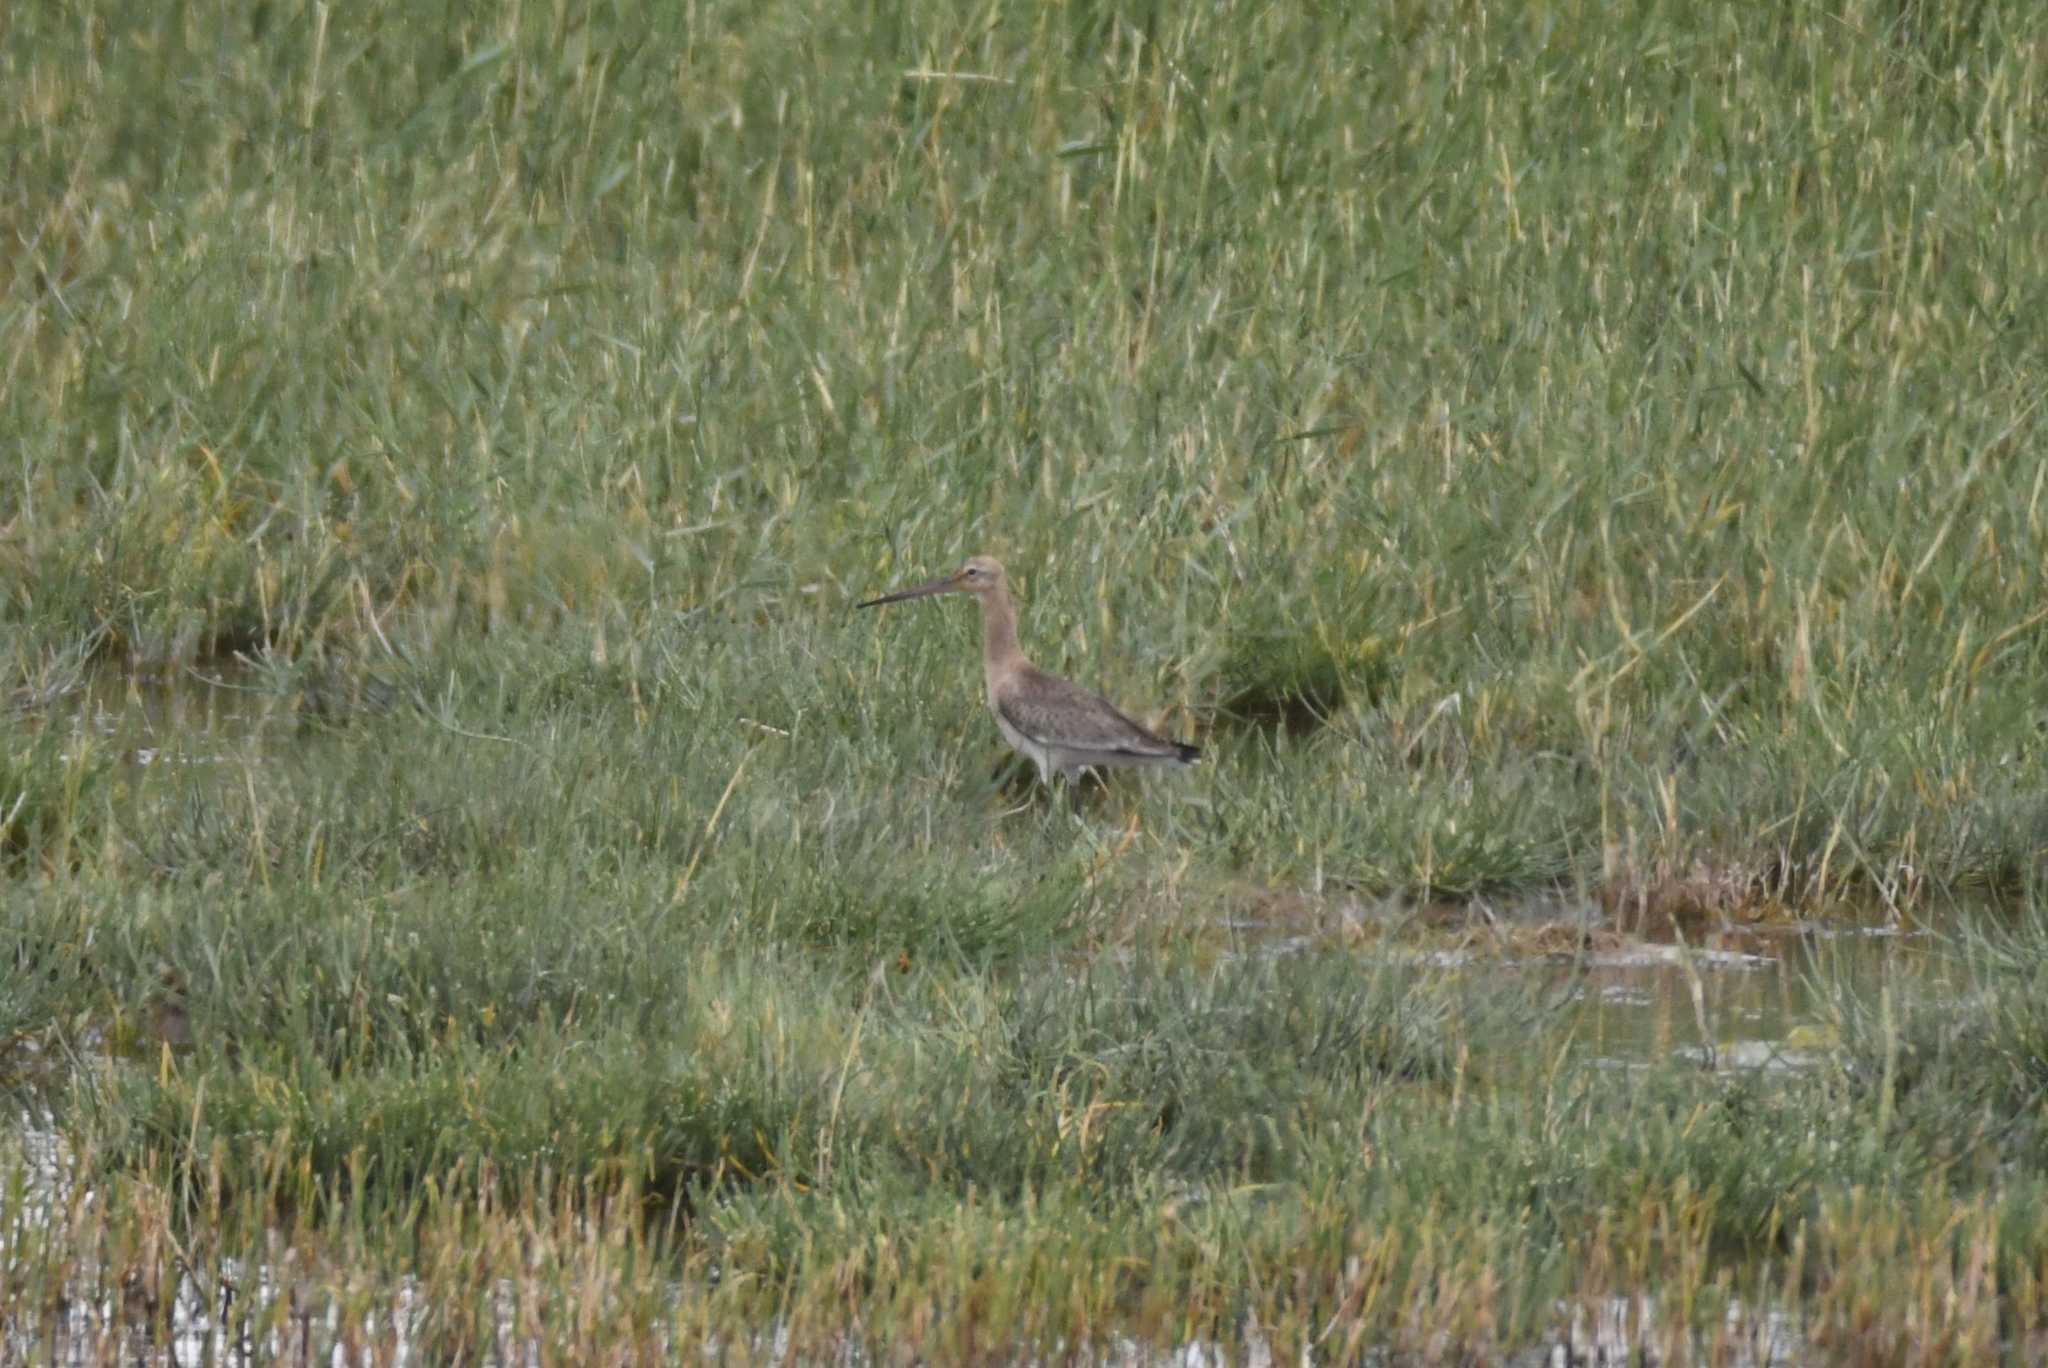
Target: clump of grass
[
  {"x": 47, "y": 674},
  {"x": 53, "y": 801},
  {"x": 958, "y": 916},
  {"x": 1296, "y": 676},
  {"x": 1964, "y": 1057}
]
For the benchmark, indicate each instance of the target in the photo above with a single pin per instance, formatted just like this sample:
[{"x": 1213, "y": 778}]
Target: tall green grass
[
  {"x": 1655, "y": 388},
  {"x": 1579, "y": 451}
]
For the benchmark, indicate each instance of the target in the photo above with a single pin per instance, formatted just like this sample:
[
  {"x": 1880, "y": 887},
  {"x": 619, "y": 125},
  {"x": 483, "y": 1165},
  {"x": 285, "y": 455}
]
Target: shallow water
[
  {"x": 189, "y": 716},
  {"x": 1752, "y": 997},
  {"x": 1760, "y": 1007}
]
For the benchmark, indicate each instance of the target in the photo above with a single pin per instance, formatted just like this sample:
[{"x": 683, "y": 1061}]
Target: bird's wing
[{"x": 1051, "y": 711}]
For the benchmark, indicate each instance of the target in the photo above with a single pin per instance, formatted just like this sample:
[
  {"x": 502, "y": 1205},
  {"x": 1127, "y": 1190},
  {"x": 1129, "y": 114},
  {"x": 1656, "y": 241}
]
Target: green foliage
[
  {"x": 53, "y": 801},
  {"x": 1554, "y": 451}
]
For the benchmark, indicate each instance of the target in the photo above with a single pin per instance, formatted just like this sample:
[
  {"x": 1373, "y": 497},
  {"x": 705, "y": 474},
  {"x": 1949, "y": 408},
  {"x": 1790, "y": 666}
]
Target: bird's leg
[{"x": 1075, "y": 783}]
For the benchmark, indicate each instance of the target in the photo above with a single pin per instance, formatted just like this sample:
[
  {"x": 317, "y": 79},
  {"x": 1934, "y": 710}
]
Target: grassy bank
[
  {"x": 1545, "y": 452},
  {"x": 1636, "y": 413},
  {"x": 727, "y": 1137}
]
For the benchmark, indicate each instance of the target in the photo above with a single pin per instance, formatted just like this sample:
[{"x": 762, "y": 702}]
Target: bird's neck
[{"x": 998, "y": 630}]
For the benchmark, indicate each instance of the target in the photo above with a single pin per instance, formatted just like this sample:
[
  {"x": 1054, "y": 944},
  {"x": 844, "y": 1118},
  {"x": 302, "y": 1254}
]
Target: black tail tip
[{"x": 1188, "y": 755}]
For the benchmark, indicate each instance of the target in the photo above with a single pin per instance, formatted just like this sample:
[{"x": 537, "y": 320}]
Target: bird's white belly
[{"x": 1039, "y": 755}]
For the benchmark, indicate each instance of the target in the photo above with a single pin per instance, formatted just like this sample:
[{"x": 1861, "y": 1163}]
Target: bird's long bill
[{"x": 937, "y": 586}]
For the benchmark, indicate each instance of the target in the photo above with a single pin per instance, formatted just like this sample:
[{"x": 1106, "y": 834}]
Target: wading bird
[{"x": 1061, "y": 726}]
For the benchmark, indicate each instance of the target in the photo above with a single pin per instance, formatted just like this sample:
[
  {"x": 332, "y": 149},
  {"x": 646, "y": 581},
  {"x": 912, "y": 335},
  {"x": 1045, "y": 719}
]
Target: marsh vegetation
[{"x": 472, "y": 883}]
